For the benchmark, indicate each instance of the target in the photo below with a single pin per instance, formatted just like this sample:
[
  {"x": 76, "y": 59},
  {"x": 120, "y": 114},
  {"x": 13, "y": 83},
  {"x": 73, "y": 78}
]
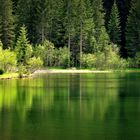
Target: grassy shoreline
[
  {"x": 9, "y": 76},
  {"x": 62, "y": 71}
]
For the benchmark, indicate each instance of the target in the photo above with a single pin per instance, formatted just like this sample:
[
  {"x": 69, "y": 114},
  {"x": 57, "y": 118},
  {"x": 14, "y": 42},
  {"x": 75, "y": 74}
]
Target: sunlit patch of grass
[{"x": 9, "y": 75}]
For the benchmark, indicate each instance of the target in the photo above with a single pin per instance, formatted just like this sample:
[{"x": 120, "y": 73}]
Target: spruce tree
[
  {"x": 69, "y": 24},
  {"x": 114, "y": 28},
  {"x": 28, "y": 15},
  {"x": 101, "y": 36},
  {"x": 85, "y": 26},
  {"x": 23, "y": 48},
  {"x": 133, "y": 30},
  {"x": 6, "y": 23}
]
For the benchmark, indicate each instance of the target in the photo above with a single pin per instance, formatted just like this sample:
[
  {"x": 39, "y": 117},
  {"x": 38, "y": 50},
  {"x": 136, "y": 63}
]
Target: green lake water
[{"x": 71, "y": 107}]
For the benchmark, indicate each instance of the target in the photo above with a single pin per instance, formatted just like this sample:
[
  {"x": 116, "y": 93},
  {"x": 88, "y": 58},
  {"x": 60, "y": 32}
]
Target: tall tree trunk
[
  {"x": 69, "y": 48},
  {"x": 42, "y": 32},
  {"x": 81, "y": 43}
]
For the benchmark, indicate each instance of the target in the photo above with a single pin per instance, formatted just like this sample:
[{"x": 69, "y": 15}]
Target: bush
[
  {"x": 62, "y": 56},
  {"x": 88, "y": 60},
  {"x": 34, "y": 64},
  {"x": 52, "y": 56},
  {"x": 22, "y": 70},
  {"x": 134, "y": 62},
  {"x": 40, "y": 51},
  {"x": 7, "y": 60},
  {"x": 109, "y": 59},
  {"x": 46, "y": 52}
]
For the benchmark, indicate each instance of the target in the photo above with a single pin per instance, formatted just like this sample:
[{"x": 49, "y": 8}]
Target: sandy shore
[{"x": 70, "y": 71}]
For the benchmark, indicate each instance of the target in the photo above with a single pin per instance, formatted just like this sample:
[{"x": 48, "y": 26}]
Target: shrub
[
  {"x": 88, "y": 60},
  {"x": 46, "y": 52},
  {"x": 22, "y": 70},
  {"x": 34, "y": 64},
  {"x": 62, "y": 57},
  {"x": 7, "y": 60},
  {"x": 109, "y": 59},
  {"x": 135, "y": 61},
  {"x": 39, "y": 51}
]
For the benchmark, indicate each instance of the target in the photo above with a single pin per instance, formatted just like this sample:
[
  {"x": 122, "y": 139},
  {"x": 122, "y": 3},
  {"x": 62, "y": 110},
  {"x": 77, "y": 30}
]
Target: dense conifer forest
[{"x": 72, "y": 33}]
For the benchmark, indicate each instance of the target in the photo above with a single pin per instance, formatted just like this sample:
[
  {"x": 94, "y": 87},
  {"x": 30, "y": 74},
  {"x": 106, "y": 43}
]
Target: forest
[{"x": 69, "y": 33}]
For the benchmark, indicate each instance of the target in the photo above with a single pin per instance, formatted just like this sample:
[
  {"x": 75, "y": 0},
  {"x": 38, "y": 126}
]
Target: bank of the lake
[
  {"x": 16, "y": 75},
  {"x": 9, "y": 76},
  {"x": 63, "y": 71},
  {"x": 70, "y": 71}
]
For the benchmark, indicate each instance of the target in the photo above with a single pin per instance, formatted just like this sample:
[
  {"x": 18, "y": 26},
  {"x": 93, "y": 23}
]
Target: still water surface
[{"x": 71, "y": 107}]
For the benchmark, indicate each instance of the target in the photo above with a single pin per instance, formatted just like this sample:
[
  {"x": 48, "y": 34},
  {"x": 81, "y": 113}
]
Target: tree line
[{"x": 84, "y": 29}]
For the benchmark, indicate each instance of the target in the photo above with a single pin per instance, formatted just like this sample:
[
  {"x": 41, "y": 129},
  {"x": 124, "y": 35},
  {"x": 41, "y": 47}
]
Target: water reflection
[{"x": 100, "y": 106}]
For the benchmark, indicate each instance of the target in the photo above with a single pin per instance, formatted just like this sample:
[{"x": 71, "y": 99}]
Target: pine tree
[
  {"x": 101, "y": 36},
  {"x": 114, "y": 28},
  {"x": 23, "y": 48},
  {"x": 28, "y": 15},
  {"x": 82, "y": 16},
  {"x": 6, "y": 23},
  {"x": 85, "y": 26},
  {"x": 133, "y": 30},
  {"x": 69, "y": 25}
]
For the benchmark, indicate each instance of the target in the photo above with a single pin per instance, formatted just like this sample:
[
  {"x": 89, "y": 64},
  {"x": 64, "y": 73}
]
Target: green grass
[{"x": 9, "y": 75}]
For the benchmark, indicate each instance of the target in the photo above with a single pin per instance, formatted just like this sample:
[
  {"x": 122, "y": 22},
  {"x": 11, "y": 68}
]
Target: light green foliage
[
  {"x": 23, "y": 47},
  {"x": 39, "y": 51},
  {"x": 7, "y": 59},
  {"x": 44, "y": 51},
  {"x": 52, "y": 56},
  {"x": 113, "y": 59},
  {"x": 48, "y": 53},
  {"x": 88, "y": 60},
  {"x": 109, "y": 59},
  {"x": 61, "y": 57},
  {"x": 114, "y": 28},
  {"x": 22, "y": 70},
  {"x": 34, "y": 64},
  {"x": 48, "y": 45}
]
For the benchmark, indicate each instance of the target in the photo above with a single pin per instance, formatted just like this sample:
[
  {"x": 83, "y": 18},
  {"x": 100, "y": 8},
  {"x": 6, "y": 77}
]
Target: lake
[{"x": 71, "y": 107}]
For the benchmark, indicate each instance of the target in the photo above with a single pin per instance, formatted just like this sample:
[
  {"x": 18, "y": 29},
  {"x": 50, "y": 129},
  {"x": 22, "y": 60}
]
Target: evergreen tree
[
  {"x": 85, "y": 26},
  {"x": 69, "y": 22},
  {"x": 6, "y": 23},
  {"x": 133, "y": 29},
  {"x": 23, "y": 47},
  {"x": 82, "y": 15},
  {"x": 114, "y": 28},
  {"x": 28, "y": 15},
  {"x": 101, "y": 36},
  {"x": 57, "y": 30}
]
